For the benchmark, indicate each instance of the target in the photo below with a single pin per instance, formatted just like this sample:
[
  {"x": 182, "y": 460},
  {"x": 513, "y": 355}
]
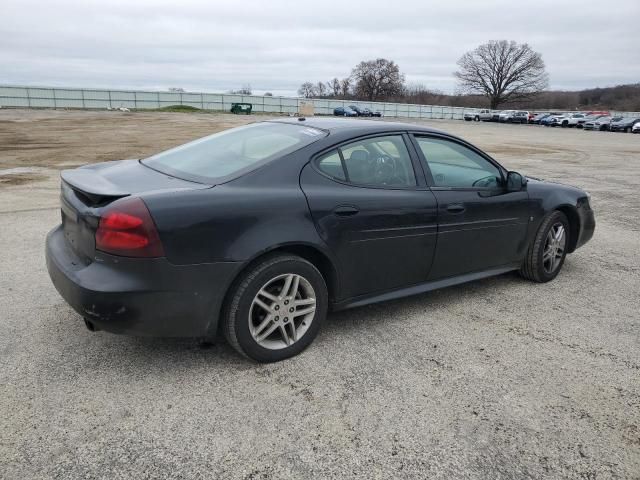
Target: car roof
[{"x": 356, "y": 126}]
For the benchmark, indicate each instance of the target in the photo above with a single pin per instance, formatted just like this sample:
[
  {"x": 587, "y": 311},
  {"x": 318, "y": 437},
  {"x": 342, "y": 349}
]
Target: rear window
[{"x": 233, "y": 151}]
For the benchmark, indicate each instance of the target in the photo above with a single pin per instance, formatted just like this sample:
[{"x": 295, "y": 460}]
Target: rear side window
[
  {"x": 233, "y": 151},
  {"x": 331, "y": 164}
]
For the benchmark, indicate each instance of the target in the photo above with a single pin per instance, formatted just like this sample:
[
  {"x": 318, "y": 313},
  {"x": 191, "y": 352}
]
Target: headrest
[{"x": 359, "y": 156}]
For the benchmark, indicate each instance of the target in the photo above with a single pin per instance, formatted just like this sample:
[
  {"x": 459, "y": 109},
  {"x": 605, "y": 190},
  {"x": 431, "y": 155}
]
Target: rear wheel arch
[
  {"x": 319, "y": 260},
  {"x": 307, "y": 252}
]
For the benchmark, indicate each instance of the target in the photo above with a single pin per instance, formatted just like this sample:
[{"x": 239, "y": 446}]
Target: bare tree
[
  {"x": 321, "y": 89},
  {"x": 345, "y": 86},
  {"x": 334, "y": 87},
  {"x": 307, "y": 90},
  {"x": 503, "y": 71},
  {"x": 377, "y": 79}
]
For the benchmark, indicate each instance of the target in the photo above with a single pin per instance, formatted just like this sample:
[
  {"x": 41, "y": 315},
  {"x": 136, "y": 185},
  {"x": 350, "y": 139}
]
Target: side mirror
[{"x": 515, "y": 182}]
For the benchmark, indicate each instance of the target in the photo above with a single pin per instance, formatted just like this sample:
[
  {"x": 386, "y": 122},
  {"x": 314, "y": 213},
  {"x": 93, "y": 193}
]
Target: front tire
[
  {"x": 276, "y": 309},
  {"x": 548, "y": 250}
]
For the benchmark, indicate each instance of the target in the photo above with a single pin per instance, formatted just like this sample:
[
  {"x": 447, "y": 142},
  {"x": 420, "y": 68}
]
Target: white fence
[{"x": 47, "y": 97}]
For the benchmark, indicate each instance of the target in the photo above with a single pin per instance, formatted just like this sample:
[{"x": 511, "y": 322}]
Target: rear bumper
[{"x": 148, "y": 297}]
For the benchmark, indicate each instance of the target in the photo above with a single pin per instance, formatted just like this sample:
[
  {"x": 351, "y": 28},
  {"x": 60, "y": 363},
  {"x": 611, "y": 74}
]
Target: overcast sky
[{"x": 276, "y": 45}]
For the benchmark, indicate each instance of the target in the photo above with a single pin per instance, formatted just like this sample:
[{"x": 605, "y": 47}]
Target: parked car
[
  {"x": 547, "y": 121},
  {"x": 376, "y": 113},
  {"x": 495, "y": 116},
  {"x": 575, "y": 119},
  {"x": 601, "y": 124},
  {"x": 617, "y": 118},
  {"x": 344, "y": 112},
  {"x": 506, "y": 116},
  {"x": 624, "y": 125},
  {"x": 520, "y": 117},
  {"x": 531, "y": 117},
  {"x": 587, "y": 119},
  {"x": 483, "y": 115},
  {"x": 539, "y": 117},
  {"x": 560, "y": 120},
  {"x": 360, "y": 111},
  {"x": 636, "y": 128},
  {"x": 262, "y": 229}
]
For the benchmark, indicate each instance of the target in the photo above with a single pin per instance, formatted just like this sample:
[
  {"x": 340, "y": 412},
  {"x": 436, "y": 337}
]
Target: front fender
[{"x": 546, "y": 197}]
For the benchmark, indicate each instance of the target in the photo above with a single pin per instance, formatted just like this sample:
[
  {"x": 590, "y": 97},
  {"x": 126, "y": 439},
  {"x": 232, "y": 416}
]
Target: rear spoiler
[{"x": 92, "y": 184}]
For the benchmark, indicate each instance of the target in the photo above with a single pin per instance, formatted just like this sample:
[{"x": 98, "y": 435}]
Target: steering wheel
[
  {"x": 487, "y": 181},
  {"x": 384, "y": 169}
]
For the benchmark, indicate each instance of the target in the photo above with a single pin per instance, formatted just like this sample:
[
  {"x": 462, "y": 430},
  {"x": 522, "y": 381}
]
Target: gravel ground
[{"x": 497, "y": 379}]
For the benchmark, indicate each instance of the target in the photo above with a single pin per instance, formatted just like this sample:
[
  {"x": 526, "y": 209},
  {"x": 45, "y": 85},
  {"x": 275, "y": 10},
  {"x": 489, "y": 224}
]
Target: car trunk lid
[{"x": 85, "y": 191}]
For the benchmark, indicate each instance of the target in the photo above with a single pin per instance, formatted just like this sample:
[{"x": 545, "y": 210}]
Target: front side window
[
  {"x": 456, "y": 166},
  {"x": 233, "y": 151}
]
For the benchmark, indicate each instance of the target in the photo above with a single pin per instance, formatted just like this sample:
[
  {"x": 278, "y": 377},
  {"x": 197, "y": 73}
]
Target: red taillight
[{"x": 127, "y": 229}]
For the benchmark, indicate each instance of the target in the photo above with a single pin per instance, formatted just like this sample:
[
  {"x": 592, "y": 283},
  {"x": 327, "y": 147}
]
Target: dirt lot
[{"x": 495, "y": 379}]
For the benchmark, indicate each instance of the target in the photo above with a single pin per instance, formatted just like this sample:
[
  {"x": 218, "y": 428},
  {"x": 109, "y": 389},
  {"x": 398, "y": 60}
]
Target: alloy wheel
[
  {"x": 282, "y": 311},
  {"x": 554, "y": 248}
]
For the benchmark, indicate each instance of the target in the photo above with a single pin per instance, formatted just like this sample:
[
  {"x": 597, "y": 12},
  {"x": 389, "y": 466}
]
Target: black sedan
[
  {"x": 258, "y": 231},
  {"x": 361, "y": 111},
  {"x": 344, "y": 112}
]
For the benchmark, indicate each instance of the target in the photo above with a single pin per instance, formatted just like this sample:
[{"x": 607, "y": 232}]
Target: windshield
[{"x": 233, "y": 151}]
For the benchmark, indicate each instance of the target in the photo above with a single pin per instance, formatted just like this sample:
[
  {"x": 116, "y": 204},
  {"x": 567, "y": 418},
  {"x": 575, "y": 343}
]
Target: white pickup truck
[{"x": 483, "y": 115}]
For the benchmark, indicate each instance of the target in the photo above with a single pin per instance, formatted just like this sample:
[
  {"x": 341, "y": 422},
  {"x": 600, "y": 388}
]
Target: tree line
[{"x": 496, "y": 74}]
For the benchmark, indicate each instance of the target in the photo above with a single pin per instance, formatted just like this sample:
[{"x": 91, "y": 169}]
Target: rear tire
[
  {"x": 546, "y": 254},
  {"x": 257, "y": 302}
]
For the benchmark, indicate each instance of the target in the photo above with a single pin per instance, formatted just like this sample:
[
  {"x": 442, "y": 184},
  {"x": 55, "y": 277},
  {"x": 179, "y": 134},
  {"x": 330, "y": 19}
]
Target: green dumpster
[{"x": 241, "y": 108}]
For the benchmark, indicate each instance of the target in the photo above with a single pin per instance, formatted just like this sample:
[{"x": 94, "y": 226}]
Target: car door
[
  {"x": 375, "y": 213},
  {"x": 481, "y": 225}
]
